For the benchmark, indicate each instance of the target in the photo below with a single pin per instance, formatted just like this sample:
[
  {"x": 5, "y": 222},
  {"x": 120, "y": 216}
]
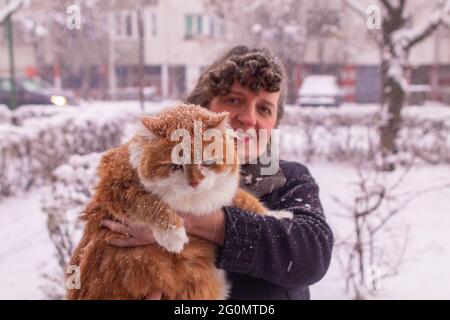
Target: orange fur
[{"x": 109, "y": 272}]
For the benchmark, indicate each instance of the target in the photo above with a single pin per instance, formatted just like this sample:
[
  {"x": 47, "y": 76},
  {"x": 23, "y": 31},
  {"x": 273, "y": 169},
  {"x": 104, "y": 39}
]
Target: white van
[{"x": 319, "y": 90}]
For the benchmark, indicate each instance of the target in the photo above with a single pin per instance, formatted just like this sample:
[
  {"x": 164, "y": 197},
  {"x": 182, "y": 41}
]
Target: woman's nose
[{"x": 247, "y": 116}]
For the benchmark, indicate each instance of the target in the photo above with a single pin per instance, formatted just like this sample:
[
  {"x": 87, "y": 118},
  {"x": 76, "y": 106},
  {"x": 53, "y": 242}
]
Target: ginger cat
[{"x": 140, "y": 180}]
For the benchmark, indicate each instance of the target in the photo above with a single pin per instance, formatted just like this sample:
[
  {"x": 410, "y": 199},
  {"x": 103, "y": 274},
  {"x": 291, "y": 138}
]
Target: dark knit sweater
[{"x": 268, "y": 258}]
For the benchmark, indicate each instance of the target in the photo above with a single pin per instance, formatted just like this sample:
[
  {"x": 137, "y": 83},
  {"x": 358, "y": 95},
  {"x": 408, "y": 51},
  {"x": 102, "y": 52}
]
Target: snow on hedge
[
  {"x": 19, "y": 115},
  {"x": 48, "y": 136},
  {"x": 337, "y": 134},
  {"x": 45, "y": 137},
  {"x": 5, "y": 114},
  {"x": 71, "y": 189},
  {"x": 23, "y": 113},
  {"x": 30, "y": 152}
]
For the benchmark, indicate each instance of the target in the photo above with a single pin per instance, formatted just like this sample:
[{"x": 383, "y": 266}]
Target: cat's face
[{"x": 188, "y": 184}]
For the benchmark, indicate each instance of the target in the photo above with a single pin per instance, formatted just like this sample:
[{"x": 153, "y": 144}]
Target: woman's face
[{"x": 249, "y": 112}]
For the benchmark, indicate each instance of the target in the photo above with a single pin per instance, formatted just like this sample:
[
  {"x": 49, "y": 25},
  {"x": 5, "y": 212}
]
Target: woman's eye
[
  {"x": 233, "y": 101},
  {"x": 266, "y": 110},
  {"x": 176, "y": 167}
]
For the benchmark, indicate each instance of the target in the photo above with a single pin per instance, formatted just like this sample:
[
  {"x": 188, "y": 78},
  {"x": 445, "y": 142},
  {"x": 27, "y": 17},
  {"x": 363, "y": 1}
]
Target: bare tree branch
[
  {"x": 10, "y": 8},
  {"x": 356, "y": 7},
  {"x": 388, "y": 6},
  {"x": 420, "y": 32},
  {"x": 380, "y": 195}
]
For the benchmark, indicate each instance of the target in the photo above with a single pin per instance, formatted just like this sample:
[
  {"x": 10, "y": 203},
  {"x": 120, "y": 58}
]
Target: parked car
[
  {"x": 319, "y": 90},
  {"x": 34, "y": 91}
]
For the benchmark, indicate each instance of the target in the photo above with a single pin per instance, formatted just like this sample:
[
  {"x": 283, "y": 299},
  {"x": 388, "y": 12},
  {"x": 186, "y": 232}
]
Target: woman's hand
[
  {"x": 210, "y": 227},
  {"x": 139, "y": 234}
]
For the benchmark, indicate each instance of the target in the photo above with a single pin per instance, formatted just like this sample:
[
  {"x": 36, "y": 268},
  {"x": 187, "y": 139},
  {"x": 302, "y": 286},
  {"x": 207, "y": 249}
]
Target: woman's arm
[
  {"x": 210, "y": 227},
  {"x": 289, "y": 252}
]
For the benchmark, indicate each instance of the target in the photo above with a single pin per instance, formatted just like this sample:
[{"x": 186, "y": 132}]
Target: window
[
  {"x": 125, "y": 24},
  {"x": 198, "y": 25},
  {"x": 212, "y": 27},
  {"x": 189, "y": 31},
  {"x": 152, "y": 23},
  {"x": 118, "y": 24},
  {"x": 194, "y": 25},
  {"x": 31, "y": 86},
  {"x": 128, "y": 25}
]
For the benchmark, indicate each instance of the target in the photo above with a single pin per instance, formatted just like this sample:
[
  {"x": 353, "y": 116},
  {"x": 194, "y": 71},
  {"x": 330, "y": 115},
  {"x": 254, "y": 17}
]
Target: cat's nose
[{"x": 194, "y": 184}]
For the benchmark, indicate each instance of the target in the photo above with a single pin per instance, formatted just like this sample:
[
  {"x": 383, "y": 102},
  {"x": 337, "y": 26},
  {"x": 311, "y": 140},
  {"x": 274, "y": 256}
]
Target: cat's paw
[
  {"x": 172, "y": 239},
  {"x": 280, "y": 214}
]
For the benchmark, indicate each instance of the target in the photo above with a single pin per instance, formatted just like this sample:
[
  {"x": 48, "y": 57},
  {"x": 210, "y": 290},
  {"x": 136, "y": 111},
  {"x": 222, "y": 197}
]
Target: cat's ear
[
  {"x": 222, "y": 121},
  {"x": 147, "y": 127}
]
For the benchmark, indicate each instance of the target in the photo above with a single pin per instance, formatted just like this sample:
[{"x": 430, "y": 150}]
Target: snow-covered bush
[
  {"x": 46, "y": 137},
  {"x": 29, "y": 153},
  {"x": 339, "y": 134},
  {"x": 19, "y": 115},
  {"x": 71, "y": 189},
  {"x": 426, "y": 134},
  {"x": 14, "y": 164},
  {"x": 38, "y": 111},
  {"x": 374, "y": 245},
  {"x": 5, "y": 114}
]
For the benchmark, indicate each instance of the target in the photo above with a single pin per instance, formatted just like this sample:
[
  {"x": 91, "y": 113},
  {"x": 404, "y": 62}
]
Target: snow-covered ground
[
  {"x": 426, "y": 274},
  {"x": 26, "y": 251}
]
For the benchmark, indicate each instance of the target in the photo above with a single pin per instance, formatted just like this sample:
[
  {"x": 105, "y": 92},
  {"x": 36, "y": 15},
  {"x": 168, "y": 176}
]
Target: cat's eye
[{"x": 176, "y": 167}]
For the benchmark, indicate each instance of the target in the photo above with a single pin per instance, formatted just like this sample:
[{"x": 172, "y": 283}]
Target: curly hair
[{"x": 255, "y": 69}]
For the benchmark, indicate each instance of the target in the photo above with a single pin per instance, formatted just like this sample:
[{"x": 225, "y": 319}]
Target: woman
[{"x": 265, "y": 258}]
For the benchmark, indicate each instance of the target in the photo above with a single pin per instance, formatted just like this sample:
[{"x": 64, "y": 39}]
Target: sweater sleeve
[{"x": 290, "y": 253}]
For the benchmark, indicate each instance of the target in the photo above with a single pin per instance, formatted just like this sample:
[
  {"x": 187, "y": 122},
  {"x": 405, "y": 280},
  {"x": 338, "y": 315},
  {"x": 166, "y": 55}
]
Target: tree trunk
[
  {"x": 292, "y": 91},
  {"x": 85, "y": 90},
  {"x": 394, "y": 81},
  {"x": 393, "y": 102}
]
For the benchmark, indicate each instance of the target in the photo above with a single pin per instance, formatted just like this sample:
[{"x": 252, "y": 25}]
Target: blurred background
[
  {"x": 94, "y": 48},
  {"x": 368, "y": 111}
]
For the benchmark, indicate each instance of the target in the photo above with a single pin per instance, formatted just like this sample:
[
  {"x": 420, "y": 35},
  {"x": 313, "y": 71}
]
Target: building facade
[{"x": 181, "y": 37}]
